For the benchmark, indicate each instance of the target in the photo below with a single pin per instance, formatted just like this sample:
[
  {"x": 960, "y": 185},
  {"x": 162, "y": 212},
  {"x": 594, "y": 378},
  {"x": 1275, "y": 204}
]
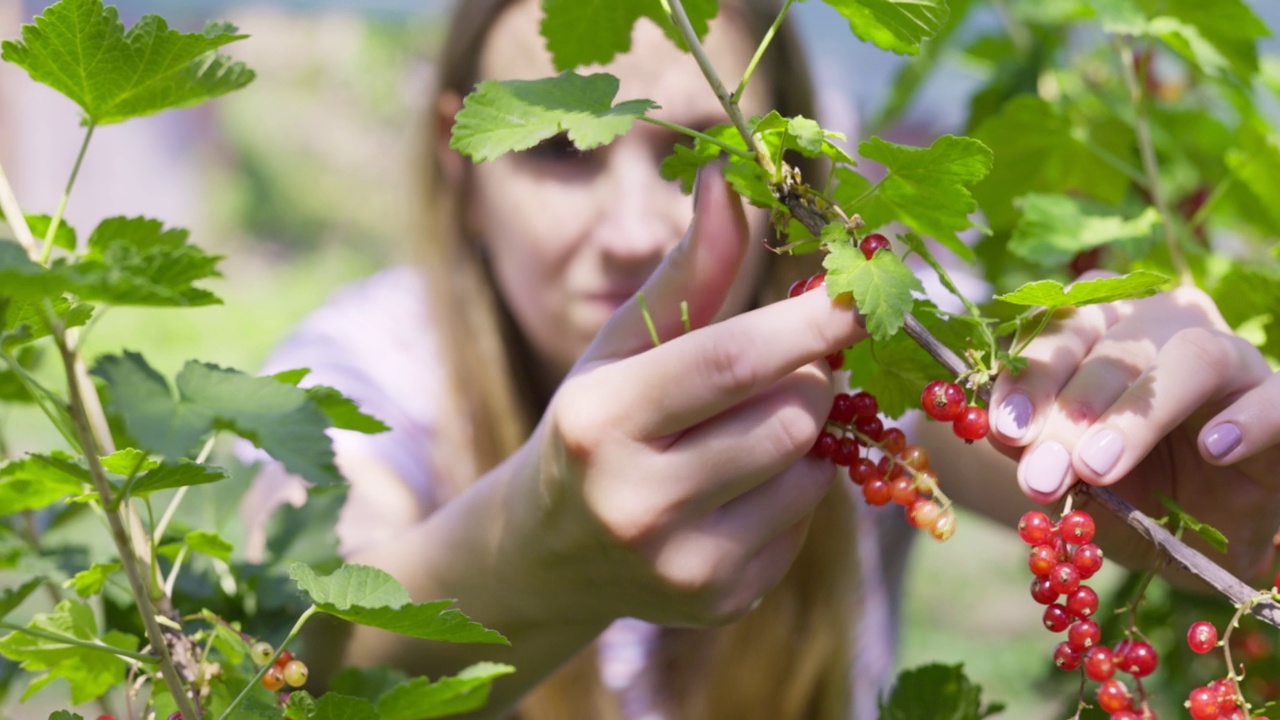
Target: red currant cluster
[
  {"x": 855, "y": 436},
  {"x": 1221, "y": 699},
  {"x": 285, "y": 669},
  {"x": 946, "y": 401},
  {"x": 1062, "y": 557}
]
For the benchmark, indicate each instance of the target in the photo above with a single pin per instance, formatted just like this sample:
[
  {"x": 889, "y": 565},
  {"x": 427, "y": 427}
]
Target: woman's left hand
[{"x": 1156, "y": 395}]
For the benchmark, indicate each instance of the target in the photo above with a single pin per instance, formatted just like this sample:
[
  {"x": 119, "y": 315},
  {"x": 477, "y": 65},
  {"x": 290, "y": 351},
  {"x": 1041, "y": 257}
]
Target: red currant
[
  {"x": 797, "y": 288},
  {"x": 1202, "y": 636},
  {"x": 176, "y": 716},
  {"x": 972, "y": 424},
  {"x": 1035, "y": 528},
  {"x": 295, "y": 673},
  {"x": 1225, "y": 690},
  {"x": 815, "y": 281},
  {"x": 943, "y": 400},
  {"x": 1042, "y": 560},
  {"x": 846, "y": 452},
  {"x": 1064, "y": 578},
  {"x": 923, "y": 513},
  {"x": 1084, "y": 634},
  {"x": 872, "y": 427},
  {"x": 877, "y": 492},
  {"x": 1076, "y": 527},
  {"x": 261, "y": 653},
  {"x": 273, "y": 680},
  {"x": 1082, "y": 602},
  {"x": 944, "y": 527},
  {"x": 865, "y": 405},
  {"x": 1088, "y": 560},
  {"x": 1099, "y": 664},
  {"x": 1042, "y": 592},
  {"x": 872, "y": 243},
  {"x": 825, "y": 446},
  {"x": 1203, "y": 704},
  {"x": 1113, "y": 696},
  {"x": 1066, "y": 657},
  {"x": 864, "y": 470},
  {"x": 903, "y": 490},
  {"x": 1139, "y": 659},
  {"x": 915, "y": 457},
  {"x": 835, "y": 360},
  {"x": 283, "y": 658},
  {"x": 1056, "y": 618},
  {"x": 841, "y": 408},
  {"x": 893, "y": 441}
]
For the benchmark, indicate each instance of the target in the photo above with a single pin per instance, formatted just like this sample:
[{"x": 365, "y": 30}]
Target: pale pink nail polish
[
  {"x": 1222, "y": 439},
  {"x": 1101, "y": 451},
  {"x": 1013, "y": 417},
  {"x": 1045, "y": 469}
]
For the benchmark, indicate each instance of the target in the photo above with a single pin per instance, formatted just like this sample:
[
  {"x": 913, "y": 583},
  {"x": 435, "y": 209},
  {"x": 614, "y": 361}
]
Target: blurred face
[{"x": 572, "y": 235}]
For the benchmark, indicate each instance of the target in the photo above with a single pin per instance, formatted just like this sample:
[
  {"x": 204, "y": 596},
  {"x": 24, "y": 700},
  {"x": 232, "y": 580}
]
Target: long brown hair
[{"x": 787, "y": 659}]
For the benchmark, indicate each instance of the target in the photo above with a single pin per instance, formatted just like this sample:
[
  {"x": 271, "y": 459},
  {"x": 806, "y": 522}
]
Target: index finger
[{"x": 709, "y": 370}]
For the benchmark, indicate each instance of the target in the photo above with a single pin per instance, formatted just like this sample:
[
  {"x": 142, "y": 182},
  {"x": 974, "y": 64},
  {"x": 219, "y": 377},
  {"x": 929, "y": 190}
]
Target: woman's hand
[
  {"x": 673, "y": 483},
  {"x": 1152, "y": 395}
]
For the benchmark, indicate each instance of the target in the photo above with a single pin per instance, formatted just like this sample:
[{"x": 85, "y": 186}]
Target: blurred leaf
[
  {"x": 936, "y": 692},
  {"x": 330, "y": 706},
  {"x": 171, "y": 475},
  {"x": 1037, "y": 150},
  {"x": 1051, "y": 294},
  {"x": 1054, "y": 228},
  {"x": 420, "y": 698},
  {"x": 368, "y": 683},
  {"x": 135, "y": 261},
  {"x": 82, "y": 50},
  {"x": 14, "y": 596},
  {"x": 209, "y": 543},
  {"x": 1209, "y": 33},
  {"x": 499, "y": 117},
  {"x": 881, "y": 286},
  {"x": 129, "y": 461},
  {"x": 369, "y": 596},
  {"x": 23, "y": 279},
  {"x": 89, "y": 582},
  {"x": 276, "y": 417},
  {"x": 90, "y": 674},
  {"x": 38, "y": 481},
  {"x": 898, "y": 26},
  {"x": 343, "y": 412},
  {"x": 64, "y": 715},
  {"x": 926, "y": 189},
  {"x": 22, "y": 322},
  {"x": 582, "y": 32}
]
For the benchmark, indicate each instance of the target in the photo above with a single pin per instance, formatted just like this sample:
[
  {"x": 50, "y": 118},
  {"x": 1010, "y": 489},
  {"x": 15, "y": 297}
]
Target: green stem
[
  {"x": 745, "y": 155},
  {"x": 88, "y": 644},
  {"x": 297, "y": 627},
  {"x": 13, "y": 215},
  {"x": 648, "y": 320},
  {"x": 853, "y": 206},
  {"x": 764, "y": 45},
  {"x": 675, "y": 8},
  {"x": 48, "y": 403},
  {"x": 66, "y": 194},
  {"x": 1150, "y": 165},
  {"x": 1215, "y": 196}
]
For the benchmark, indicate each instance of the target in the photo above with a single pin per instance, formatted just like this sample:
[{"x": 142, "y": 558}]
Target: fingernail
[
  {"x": 1045, "y": 470},
  {"x": 1222, "y": 439},
  {"x": 1101, "y": 451},
  {"x": 1013, "y": 417}
]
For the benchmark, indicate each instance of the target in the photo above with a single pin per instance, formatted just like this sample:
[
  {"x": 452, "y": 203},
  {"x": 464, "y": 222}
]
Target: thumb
[{"x": 699, "y": 270}]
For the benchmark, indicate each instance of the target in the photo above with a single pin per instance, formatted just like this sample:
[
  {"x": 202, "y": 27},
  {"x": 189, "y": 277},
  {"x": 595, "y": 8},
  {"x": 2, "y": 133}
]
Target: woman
[{"x": 556, "y": 474}]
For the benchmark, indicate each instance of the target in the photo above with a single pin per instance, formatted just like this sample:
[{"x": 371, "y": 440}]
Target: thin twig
[
  {"x": 13, "y": 215},
  {"x": 77, "y": 642}
]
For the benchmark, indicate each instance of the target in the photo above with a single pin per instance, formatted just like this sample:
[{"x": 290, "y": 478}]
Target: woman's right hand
[{"x": 673, "y": 483}]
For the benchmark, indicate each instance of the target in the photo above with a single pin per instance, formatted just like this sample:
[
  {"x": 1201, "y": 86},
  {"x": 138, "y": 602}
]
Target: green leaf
[
  {"x": 23, "y": 279},
  {"x": 170, "y": 475},
  {"x": 582, "y": 32},
  {"x": 420, "y": 698},
  {"x": 209, "y": 543},
  {"x": 90, "y": 581},
  {"x": 39, "y": 481},
  {"x": 82, "y": 50},
  {"x": 1224, "y": 29},
  {"x": 499, "y": 117},
  {"x": 1037, "y": 150},
  {"x": 881, "y": 286},
  {"x": 64, "y": 237},
  {"x": 23, "y": 322},
  {"x": 935, "y": 692},
  {"x": 64, "y": 715},
  {"x": 1244, "y": 294},
  {"x": 1256, "y": 163},
  {"x": 927, "y": 189},
  {"x": 1051, "y": 294},
  {"x": 368, "y": 683},
  {"x": 135, "y": 261},
  {"x": 14, "y": 596},
  {"x": 276, "y": 417},
  {"x": 128, "y": 462},
  {"x": 1182, "y": 518},
  {"x": 90, "y": 674},
  {"x": 1054, "y": 228},
  {"x": 684, "y": 161},
  {"x": 227, "y": 640},
  {"x": 330, "y": 706},
  {"x": 369, "y": 596},
  {"x": 343, "y": 412},
  {"x": 898, "y": 26}
]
